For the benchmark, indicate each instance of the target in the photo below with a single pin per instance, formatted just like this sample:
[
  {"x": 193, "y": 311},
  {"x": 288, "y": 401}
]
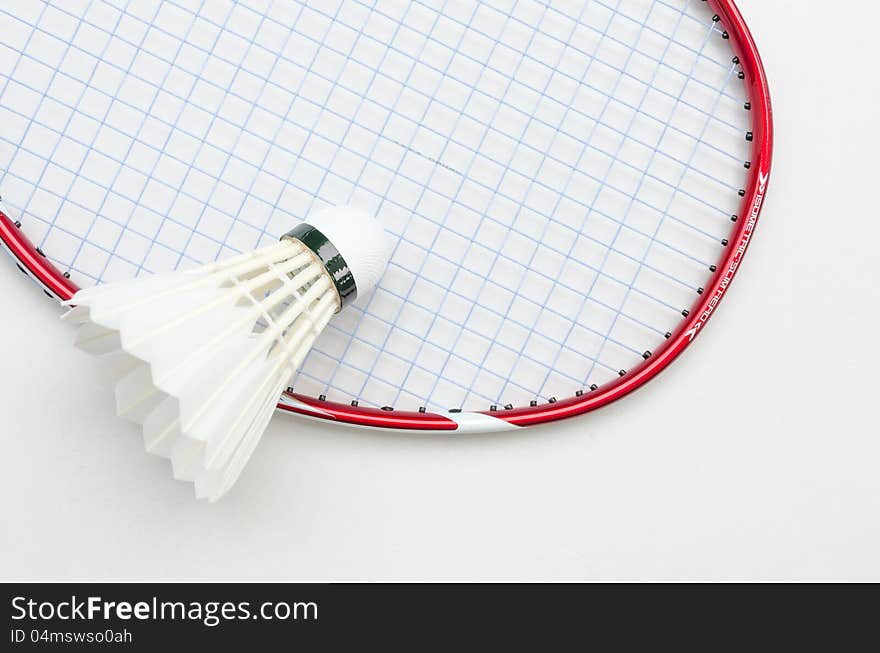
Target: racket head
[{"x": 729, "y": 27}]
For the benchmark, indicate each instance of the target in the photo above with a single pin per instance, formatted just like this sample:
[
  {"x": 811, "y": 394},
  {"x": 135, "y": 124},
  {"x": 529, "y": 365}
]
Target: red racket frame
[{"x": 32, "y": 261}]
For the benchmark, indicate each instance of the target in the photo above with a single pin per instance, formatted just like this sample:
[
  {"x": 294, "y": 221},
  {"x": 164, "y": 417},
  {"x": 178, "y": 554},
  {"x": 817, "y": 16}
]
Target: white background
[{"x": 757, "y": 456}]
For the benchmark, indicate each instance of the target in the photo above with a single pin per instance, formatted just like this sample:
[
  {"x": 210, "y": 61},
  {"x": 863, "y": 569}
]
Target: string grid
[{"x": 558, "y": 177}]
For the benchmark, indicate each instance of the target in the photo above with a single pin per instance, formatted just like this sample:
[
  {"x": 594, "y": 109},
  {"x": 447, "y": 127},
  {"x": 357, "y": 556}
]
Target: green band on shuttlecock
[{"x": 330, "y": 257}]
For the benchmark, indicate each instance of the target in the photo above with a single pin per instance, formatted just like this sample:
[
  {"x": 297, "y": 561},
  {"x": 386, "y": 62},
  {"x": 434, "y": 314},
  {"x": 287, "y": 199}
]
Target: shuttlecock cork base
[{"x": 200, "y": 357}]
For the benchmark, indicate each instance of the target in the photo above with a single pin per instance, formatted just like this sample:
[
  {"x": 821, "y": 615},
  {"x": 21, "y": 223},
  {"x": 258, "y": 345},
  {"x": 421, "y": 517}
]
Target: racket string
[
  {"x": 318, "y": 75},
  {"x": 664, "y": 214},
  {"x": 502, "y": 317},
  {"x": 222, "y": 242}
]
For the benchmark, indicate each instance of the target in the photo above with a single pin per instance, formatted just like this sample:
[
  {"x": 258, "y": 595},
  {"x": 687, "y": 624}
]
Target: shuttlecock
[{"x": 200, "y": 357}]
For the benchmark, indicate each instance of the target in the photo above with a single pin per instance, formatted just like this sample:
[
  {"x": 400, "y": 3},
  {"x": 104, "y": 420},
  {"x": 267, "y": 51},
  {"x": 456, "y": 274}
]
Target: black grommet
[
  {"x": 747, "y": 165},
  {"x": 685, "y": 312},
  {"x": 322, "y": 397},
  {"x": 741, "y": 75},
  {"x": 455, "y": 410},
  {"x": 40, "y": 252},
  {"x": 750, "y": 136},
  {"x": 735, "y": 60},
  {"x": 289, "y": 389},
  {"x": 594, "y": 387},
  {"x": 508, "y": 406},
  {"x": 552, "y": 400},
  {"x": 18, "y": 224},
  {"x": 354, "y": 403},
  {"x": 493, "y": 408},
  {"x": 533, "y": 403},
  {"x": 621, "y": 373},
  {"x": 712, "y": 268},
  {"x": 734, "y": 218},
  {"x": 700, "y": 291},
  {"x": 747, "y": 106},
  {"x": 646, "y": 355},
  {"x": 388, "y": 408},
  {"x": 724, "y": 241},
  {"x": 579, "y": 393},
  {"x": 422, "y": 409},
  {"x": 667, "y": 335},
  {"x": 742, "y": 192},
  {"x": 725, "y": 35}
]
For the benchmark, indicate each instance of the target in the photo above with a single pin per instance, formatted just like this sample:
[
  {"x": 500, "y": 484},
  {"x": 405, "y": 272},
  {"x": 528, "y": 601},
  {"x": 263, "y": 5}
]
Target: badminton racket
[{"x": 570, "y": 186}]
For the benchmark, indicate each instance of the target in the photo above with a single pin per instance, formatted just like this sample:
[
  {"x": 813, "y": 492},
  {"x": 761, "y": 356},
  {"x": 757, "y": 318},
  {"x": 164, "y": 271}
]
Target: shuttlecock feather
[{"x": 199, "y": 357}]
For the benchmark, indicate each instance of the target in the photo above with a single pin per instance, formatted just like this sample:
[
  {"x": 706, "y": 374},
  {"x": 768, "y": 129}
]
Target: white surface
[{"x": 755, "y": 457}]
